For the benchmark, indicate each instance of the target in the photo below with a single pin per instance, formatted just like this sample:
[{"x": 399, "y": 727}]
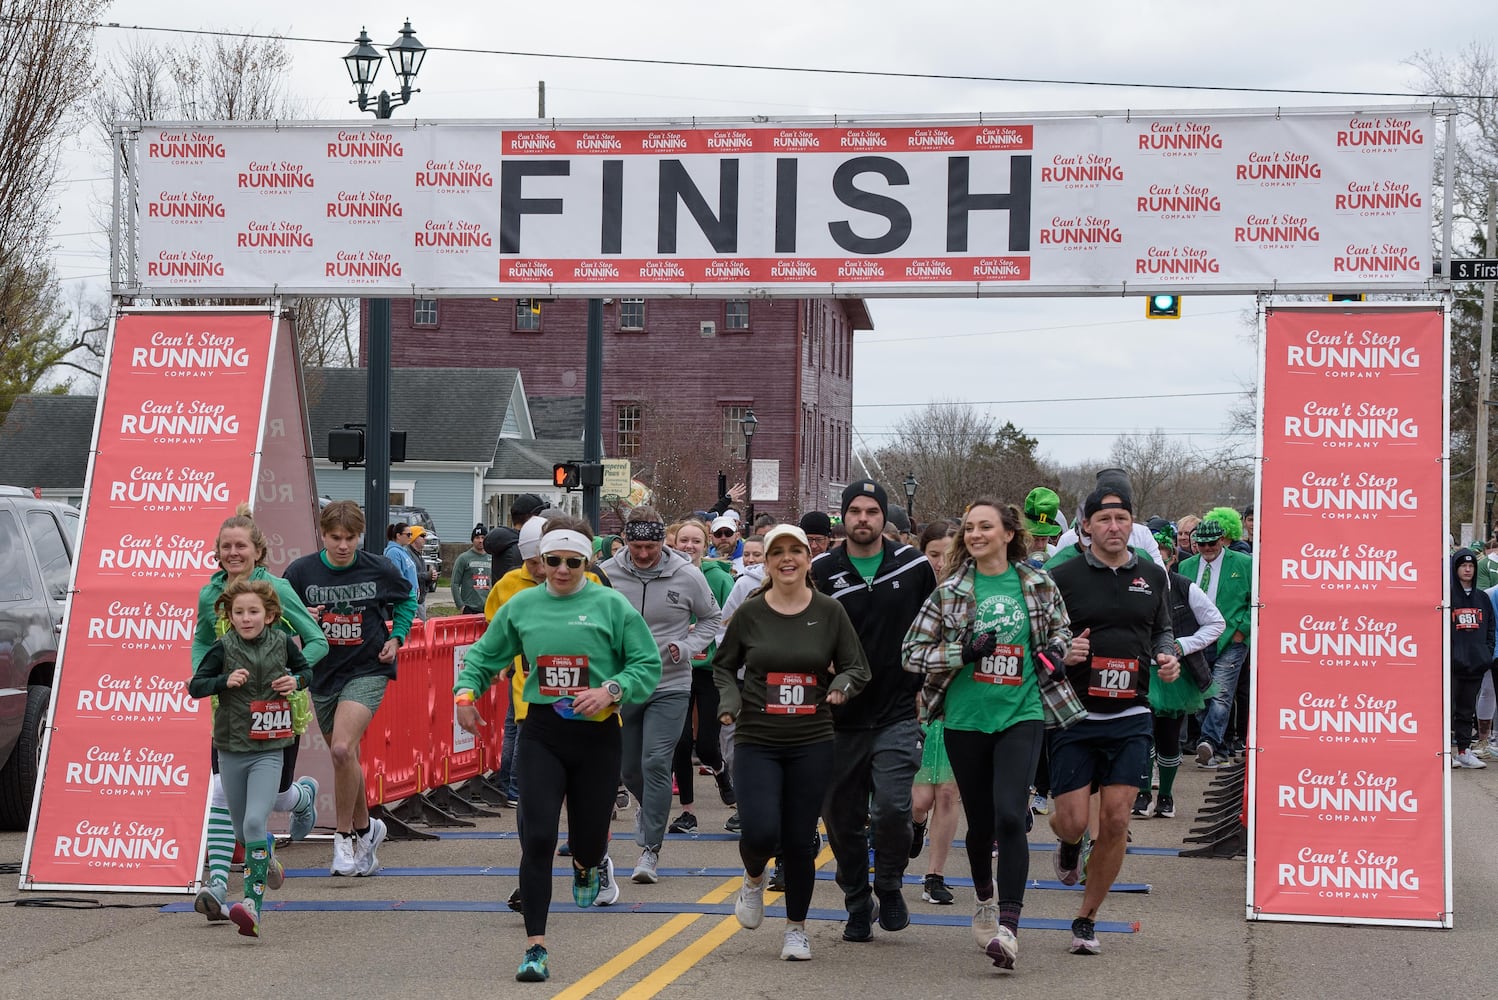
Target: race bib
[
  {"x": 271, "y": 719},
  {"x": 481, "y": 581},
  {"x": 343, "y": 629},
  {"x": 1114, "y": 678},
  {"x": 790, "y": 694},
  {"x": 1005, "y": 666},
  {"x": 1466, "y": 619},
  {"x": 561, "y": 676}
]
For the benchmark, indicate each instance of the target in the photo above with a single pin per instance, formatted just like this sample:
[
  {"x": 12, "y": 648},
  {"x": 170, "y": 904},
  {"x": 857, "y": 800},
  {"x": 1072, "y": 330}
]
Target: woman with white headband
[{"x": 589, "y": 651}]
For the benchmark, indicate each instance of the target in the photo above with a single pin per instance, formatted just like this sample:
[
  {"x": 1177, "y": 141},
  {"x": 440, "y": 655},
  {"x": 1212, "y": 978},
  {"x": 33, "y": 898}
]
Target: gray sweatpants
[
  {"x": 251, "y": 782},
  {"x": 649, "y": 742}
]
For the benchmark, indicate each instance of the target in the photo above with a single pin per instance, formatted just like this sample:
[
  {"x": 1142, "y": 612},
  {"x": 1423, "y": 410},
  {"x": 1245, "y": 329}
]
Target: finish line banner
[
  {"x": 1349, "y": 795},
  {"x": 178, "y": 441},
  {"x": 1225, "y": 201}
]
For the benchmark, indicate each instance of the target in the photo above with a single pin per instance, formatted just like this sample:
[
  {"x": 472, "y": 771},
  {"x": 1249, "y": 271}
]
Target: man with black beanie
[
  {"x": 503, "y": 543},
  {"x": 881, "y": 584}
]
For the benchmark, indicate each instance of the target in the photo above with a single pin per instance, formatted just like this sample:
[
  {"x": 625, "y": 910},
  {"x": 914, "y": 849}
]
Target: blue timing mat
[{"x": 1162, "y": 852}]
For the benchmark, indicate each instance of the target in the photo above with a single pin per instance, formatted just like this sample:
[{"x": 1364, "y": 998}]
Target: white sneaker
[
  {"x": 1040, "y": 805},
  {"x": 986, "y": 922},
  {"x": 608, "y": 886},
  {"x": 343, "y": 855},
  {"x": 1467, "y": 759},
  {"x": 1004, "y": 948},
  {"x": 797, "y": 946},
  {"x": 645, "y": 873},
  {"x": 365, "y": 848},
  {"x": 750, "y": 905}
]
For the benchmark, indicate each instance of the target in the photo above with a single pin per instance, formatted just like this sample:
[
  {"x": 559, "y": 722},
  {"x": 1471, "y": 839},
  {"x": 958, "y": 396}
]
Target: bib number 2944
[
  {"x": 790, "y": 694},
  {"x": 271, "y": 719},
  {"x": 1114, "y": 678}
]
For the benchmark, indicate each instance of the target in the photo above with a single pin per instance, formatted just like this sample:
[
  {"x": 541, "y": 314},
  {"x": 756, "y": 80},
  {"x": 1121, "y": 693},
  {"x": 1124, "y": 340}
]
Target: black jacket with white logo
[{"x": 881, "y": 611}]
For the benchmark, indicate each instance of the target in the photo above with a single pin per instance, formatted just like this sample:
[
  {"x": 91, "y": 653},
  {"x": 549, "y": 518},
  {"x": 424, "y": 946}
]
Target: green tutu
[
  {"x": 1180, "y": 697},
  {"x": 935, "y": 768}
]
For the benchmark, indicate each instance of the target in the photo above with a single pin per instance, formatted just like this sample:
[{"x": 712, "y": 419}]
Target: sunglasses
[
  {"x": 573, "y": 562},
  {"x": 723, "y": 533}
]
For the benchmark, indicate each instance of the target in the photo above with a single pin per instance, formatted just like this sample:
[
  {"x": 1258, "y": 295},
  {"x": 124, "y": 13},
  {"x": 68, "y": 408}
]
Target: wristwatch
[{"x": 615, "y": 691}]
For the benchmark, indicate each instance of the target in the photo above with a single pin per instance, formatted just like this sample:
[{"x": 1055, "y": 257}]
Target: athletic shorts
[
  {"x": 1096, "y": 753},
  {"x": 367, "y": 691}
]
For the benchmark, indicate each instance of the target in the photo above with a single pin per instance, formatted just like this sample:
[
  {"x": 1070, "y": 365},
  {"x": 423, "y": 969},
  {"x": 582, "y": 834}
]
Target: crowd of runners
[{"x": 848, "y": 670}]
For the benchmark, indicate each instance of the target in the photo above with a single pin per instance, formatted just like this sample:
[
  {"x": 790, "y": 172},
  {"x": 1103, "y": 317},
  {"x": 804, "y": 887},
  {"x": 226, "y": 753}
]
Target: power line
[
  {"x": 777, "y": 68},
  {"x": 874, "y": 342},
  {"x": 1057, "y": 399}
]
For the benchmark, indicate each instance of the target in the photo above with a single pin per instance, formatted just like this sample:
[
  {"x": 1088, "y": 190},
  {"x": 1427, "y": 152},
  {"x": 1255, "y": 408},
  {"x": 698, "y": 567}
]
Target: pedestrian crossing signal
[
  {"x": 566, "y": 476},
  {"x": 1162, "y": 307}
]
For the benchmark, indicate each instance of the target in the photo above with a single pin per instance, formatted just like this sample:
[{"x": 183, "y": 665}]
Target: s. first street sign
[{"x": 1474, "y": 269}]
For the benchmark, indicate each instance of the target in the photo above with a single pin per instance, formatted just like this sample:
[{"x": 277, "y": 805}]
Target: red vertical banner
[
  {"x": 1349, "y": 812},
  {"x": 126, "y": 771}
]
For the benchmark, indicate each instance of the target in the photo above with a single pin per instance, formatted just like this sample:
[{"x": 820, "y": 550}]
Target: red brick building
[{"x": 678, "y": 376}]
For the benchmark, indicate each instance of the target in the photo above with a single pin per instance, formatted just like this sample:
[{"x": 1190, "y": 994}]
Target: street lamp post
[
  {"x": 363, "y": 64},
  {"x": 910, "y": 487},
  {"x": 749, "y": 424}
]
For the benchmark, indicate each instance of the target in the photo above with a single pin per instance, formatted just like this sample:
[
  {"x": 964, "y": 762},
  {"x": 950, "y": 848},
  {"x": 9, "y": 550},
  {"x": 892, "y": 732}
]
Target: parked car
[
  {"x": 38, "y": 541},
  {"x": 432, "y": 553}
]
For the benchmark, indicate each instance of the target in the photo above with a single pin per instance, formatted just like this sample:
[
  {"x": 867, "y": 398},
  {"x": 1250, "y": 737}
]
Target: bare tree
[
  {"x": 679, "y": 464},
  {"x": 958, "y": 454},
  {"x": 45, "y": 82},
  {"x": 327, "y": 331}
]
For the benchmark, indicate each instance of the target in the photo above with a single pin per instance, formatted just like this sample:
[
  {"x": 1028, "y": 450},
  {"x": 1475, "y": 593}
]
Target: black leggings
[
  {"x": 993, "y": 777},
  {"x": 780, "y": 797},
  {"x": 705, "y": 701},
  {"x": 570, "y": 758}
]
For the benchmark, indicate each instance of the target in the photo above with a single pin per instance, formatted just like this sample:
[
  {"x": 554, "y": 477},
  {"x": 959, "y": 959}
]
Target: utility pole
[{"x": 1484, "y": 380}]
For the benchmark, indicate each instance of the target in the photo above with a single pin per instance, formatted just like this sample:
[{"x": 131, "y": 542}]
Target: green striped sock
[{"x": 220, "y": 844}]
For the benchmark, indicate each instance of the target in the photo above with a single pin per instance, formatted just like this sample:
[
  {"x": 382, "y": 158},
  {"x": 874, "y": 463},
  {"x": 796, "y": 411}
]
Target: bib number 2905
[
  {"x": 790, "y": 694},
  {"x": 1114, "y": 678}
]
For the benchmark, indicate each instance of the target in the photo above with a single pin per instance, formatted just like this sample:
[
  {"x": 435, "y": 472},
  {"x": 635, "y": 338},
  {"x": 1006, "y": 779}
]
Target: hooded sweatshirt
[
  {"x": 671, "y": 596},
  {"x": 1472, "y": 624}
]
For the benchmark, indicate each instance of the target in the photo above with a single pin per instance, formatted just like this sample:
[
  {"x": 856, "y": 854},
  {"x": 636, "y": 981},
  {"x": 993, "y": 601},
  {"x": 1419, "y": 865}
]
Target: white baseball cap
[{"x": 723, "y": 521}]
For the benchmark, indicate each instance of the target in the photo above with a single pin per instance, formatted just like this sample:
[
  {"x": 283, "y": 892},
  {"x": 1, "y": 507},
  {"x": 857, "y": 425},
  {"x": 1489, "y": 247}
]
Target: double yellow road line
[{"x": 674, "y": 967}]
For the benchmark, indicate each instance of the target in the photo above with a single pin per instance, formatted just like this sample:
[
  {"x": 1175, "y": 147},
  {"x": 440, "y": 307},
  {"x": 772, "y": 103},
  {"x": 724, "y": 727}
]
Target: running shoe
[
  {"x": 608, "y": 886},
  {"x": 210, "y": 901},
  {"x": 1084, "y": 937},
  {"x": 986, "y": 922},
  {"x": 1213, "y": 762},
  {"x": 514, "y": 901},
  {"x": 859, "y": 927},
  {"x": 343, "y": 855},
  {"x": 732, "y": 824},
  {"x": 777, "y": 879},
  {"x": 934, "y": 890},
  {"x": 749, "y": 907},
  {"x": 246, "y": 918},
  {"x": 1003, "y": 948},
  {"x": 275, "y": 873},
  {"x": 645, "y": 868},
  {"x": 917, "y": 837},
  {"x": 1203, "y": 753},
  {"x": 725, "y": 787},
  {"x": 1469, "y": 760},
  {"x": 1165, "y": 806},
  {"x": 621, "y": 798},
  {"x": 365, "y": 848},
  {"x": 304, "y": 819},
  {"x": 1040, "y": 805},
  {"x": 1142, "y": 804},
  {"x": 1068, "y": 860},
  {"x": 894, "y": 915},
  {"x": 1482, "y": 751},
  {"x": 797, "y": 946},
  {"x": 584, "y": 886},
  {"x": 685, "y": 823},
  {"x": 533, "y": 967},
  {"x": 565, "y": 851}
]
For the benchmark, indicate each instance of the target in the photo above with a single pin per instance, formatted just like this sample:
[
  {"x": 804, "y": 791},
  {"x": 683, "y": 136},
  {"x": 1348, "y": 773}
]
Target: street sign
[
  {"x": 615, "y": 478},
  {"x": 1475, "y": 269}
]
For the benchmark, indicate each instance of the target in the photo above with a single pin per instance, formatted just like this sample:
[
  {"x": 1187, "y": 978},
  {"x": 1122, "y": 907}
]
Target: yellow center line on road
[{"x": 696, "y": 951}]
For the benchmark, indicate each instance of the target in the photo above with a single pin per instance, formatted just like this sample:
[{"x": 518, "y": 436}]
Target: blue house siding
[{"x": 447, "y": 496}]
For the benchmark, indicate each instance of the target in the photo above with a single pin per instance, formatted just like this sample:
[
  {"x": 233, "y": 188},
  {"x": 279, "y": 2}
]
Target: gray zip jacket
[{"x": 670, "y": 596}]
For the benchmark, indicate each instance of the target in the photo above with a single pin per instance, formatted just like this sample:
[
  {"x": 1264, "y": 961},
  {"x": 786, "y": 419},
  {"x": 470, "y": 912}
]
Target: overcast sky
[{"x": 920, "y": 350}]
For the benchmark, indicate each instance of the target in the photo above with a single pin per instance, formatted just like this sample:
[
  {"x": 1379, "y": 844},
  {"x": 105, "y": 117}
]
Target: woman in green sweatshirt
[{"x": 589, "y": 651}]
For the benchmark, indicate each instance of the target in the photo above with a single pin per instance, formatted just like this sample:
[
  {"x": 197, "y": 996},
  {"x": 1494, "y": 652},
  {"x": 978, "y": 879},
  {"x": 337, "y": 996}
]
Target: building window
[
  {"x": 733, "y": 428},
  {"x": 424, "y": 312},
  {"x": 736, "y": 315},
  {"x": 525, "y": 319},
  {"x": 631, "y": 314},
  {"x": 627, "y": 428}
]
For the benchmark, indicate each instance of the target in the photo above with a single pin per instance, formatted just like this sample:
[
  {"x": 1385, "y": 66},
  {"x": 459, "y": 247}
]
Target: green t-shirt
[
  {"x": 1003, "y": 689},
  {"x": 867, "y": 566}
]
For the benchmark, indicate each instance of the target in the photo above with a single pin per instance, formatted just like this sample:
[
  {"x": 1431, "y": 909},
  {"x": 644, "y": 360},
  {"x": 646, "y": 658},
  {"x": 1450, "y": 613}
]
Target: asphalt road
[{"x": 433, "y": 924}]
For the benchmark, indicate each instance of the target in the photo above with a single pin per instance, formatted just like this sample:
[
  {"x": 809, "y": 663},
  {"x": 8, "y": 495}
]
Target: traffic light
[
  {"x": 1162, "y": 307},
  {"x": 567, "y": 476},
  {"x": 1346, "y": 297}
]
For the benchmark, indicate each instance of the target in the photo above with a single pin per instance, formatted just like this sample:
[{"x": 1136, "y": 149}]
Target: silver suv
[{"x": 38, "y": 541}]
